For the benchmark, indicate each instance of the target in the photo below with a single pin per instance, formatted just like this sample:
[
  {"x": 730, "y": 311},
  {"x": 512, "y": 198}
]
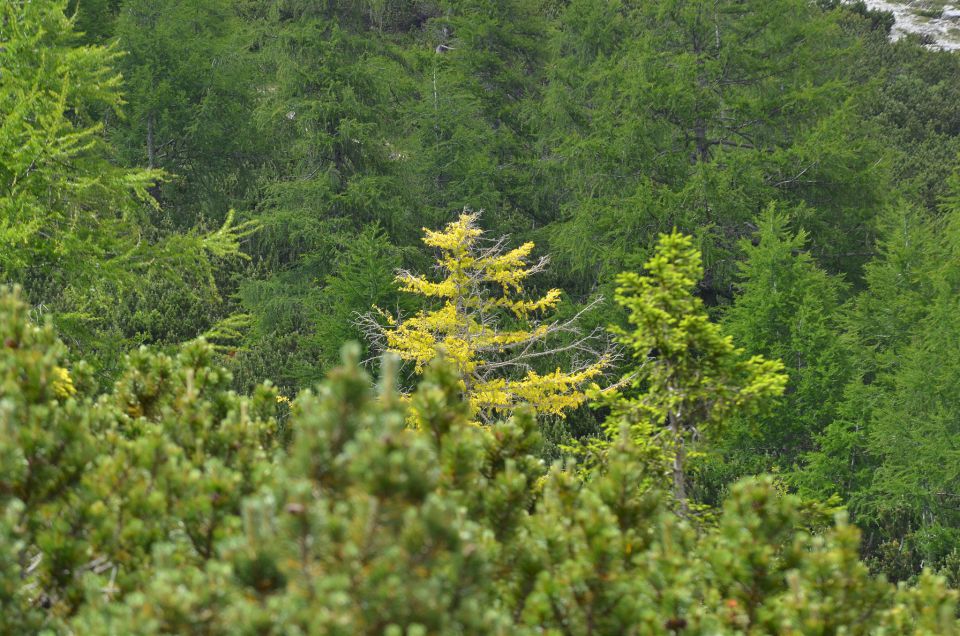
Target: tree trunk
[
  {"x": 679, "y": 458},
  {"x": 700, "y": 137},
  {"x": 150, "y": 150}
]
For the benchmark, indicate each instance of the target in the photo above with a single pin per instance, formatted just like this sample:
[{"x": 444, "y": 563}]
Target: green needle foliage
[
  {"x": 166, "y": 457},
  {"x": 258, "y": 173},
  {"x": 789, "y": 309},
  {"x": 65, "y": 211},
  {"x": 172, "y": 509},
  {"x": 78, "y": 232}
]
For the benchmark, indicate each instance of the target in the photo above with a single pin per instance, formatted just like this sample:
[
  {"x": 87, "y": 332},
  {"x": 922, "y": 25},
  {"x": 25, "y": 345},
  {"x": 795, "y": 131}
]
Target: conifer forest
[{"x": 479, "y": 317}]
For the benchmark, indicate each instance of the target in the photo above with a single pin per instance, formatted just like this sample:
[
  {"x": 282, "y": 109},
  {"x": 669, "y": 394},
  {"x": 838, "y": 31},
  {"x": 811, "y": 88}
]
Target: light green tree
[
  {"x": 65, "y": 210},
  {"x": 78, "y": 231},
  {"x": 687, "y": 375}
]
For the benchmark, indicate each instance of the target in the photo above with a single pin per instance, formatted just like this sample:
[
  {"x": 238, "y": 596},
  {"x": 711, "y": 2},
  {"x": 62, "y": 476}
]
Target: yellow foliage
[
  {"x": 62, "y": 383},
  {"x": 482, "y": 285}
]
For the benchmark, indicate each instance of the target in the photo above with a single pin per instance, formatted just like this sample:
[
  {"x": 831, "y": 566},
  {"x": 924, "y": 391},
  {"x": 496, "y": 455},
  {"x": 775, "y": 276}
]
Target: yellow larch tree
[{"x": 483, "y": 321}]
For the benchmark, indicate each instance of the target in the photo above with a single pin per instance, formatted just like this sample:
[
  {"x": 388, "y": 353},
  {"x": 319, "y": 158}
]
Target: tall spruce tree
[
  {"x": 479, "y": 77},
  {"x": 912, "y": 433},
  {"x": 336, "y": 166},
  {"x": 787, "y": 309},
  {"x": 887, "y": 451}
]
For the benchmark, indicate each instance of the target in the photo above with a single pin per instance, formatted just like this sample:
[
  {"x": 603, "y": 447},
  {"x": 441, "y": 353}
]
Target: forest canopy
[{"x": 477, "y": 317}]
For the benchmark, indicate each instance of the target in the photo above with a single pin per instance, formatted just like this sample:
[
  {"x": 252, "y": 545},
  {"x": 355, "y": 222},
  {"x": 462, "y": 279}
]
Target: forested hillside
[{"x": 477, "y": 317}]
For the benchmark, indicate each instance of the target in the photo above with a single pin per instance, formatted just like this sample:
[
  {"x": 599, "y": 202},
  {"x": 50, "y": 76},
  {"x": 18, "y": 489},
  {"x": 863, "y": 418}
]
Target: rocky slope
[{"x": 938, "y": 20}]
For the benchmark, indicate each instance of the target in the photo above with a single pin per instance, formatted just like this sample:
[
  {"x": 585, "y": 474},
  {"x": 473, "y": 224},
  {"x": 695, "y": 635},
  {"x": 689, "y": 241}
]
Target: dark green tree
[
  {"x": 337, "y": 166},
  {"x": 887, "y": 451},
  {"x": 697, "y": 114},
  {"x": 479, "y": 76},
  {"x": 191, "y": 82},
  {"x": 911, "y": 433},
  {"x": 787, "y": 309}
]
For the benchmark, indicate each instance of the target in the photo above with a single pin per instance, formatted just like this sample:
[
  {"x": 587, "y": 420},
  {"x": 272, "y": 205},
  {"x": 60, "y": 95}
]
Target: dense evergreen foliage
[
  {"x": 739, "y": 353},
  {"x": 169, "y": 505}
]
